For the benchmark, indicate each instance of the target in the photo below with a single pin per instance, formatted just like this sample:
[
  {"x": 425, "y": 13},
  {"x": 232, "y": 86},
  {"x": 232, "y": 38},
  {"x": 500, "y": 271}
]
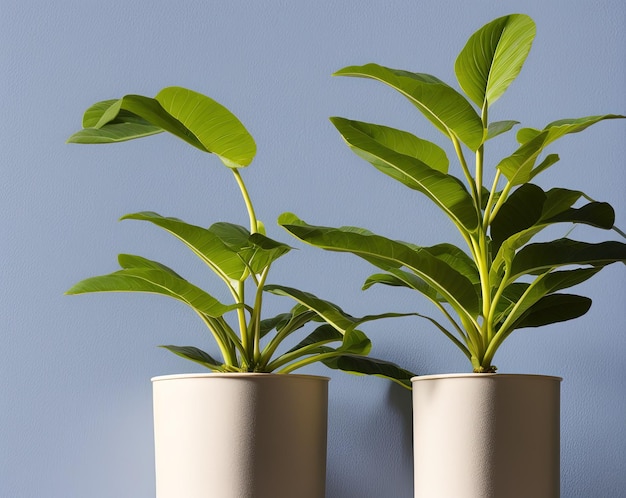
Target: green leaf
[
  {"x": 540, "y": 257},
  {"x": 263, "y": 251},
  {"x": 203, "y": 242},
  {"x": 554, "y": 308},
  {"x": 219, "y": 130},
  {"x": 494, "y": 56},
  {"x": 518, "y": 168},
  {"x": 520, "y": 211},
  {"x": 196, "y": 355},
  {"x": 323, "y": 334},
  {"x": 444, "y": 190},
  {"x": 330, "y": 312},
  {"x": 443, "y": 106},
  {"x": 498, "y": 127},
  {"x": 520, "y": 297},
  {"x": 361, "y": 365},
  {"x": 154, "y": 281},
  {"x": 402, "y": 142},
  {"x": 456, "y": 288},
  {"x": 198, "y": 120},
  {"x": 133, "y": 261}
]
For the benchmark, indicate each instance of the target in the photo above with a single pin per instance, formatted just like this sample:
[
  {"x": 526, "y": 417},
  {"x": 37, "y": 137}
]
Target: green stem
[
  {"x": 294, "y": 323},
  {"x": 255, "y": 320},
  {"x": 246, "y": 199}
]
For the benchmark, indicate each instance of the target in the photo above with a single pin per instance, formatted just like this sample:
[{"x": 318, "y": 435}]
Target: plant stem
[{"x": 246, "y": 199}]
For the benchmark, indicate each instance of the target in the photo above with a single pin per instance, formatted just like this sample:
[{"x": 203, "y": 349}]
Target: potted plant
[
  {"x": 245, "y": 429},
  {"x": 481, "y": 434}
]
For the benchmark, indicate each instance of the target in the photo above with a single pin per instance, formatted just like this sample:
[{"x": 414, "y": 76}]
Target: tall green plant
[
  {"x": 239, "y": 256},
  {"x": 505, "y": 280}
]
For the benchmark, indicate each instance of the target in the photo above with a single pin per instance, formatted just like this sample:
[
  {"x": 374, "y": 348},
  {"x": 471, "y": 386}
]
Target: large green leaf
[
  {"x": 191, "y": 116},
  {"x": 219, "y": 130},
  {"x": 154, "y": 281},
  {"x": 494, "y": 56},
  {"x": 369, "y": 142},
  {"x": 525, "y": 295},
  {"x": 455, "y": 288},
  {"x": 441, "y": 104},
  {"x": 203, "y": 242},
  {"x": 543, "y": 256},
  {"x": 554, "y": 308}
]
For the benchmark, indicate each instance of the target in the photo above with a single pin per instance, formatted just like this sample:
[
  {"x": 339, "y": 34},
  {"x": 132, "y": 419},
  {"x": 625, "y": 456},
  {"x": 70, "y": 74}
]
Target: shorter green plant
[
  {"x": 504, "y": 282},
  {"x": 240, "y": 257}
]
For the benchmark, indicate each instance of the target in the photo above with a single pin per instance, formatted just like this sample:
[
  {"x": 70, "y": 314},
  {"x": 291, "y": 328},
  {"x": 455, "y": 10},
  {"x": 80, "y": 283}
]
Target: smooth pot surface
[
  {"x": 486, "y": 436},
  {"x": 240, "y": 435}
]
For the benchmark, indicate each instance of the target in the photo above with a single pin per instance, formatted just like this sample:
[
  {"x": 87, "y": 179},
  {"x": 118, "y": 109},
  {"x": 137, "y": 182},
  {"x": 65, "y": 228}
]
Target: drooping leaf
[
  {"x": 520, "y": 297},
  {"x": 542, "y": 256},
  {"x": 331, "y": 313},
  {"x": 494, "y": 56},
  {"x": 203, "y": 242},
  {"x": 402, "y": 142},
  {"x": 554, "y": 308},
  {"x": 196, "y": 355},
  {"x": 444, "y": 190},
  {"x": 442, "y": 105},
  {"x": 362, "y": 365},
  {"x": 154, "y": 281},
  {"x": 385, "y": 253}
]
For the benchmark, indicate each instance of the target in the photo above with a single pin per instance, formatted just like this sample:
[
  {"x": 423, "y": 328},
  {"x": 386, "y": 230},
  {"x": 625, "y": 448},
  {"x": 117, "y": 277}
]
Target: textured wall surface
[{"x": 75, "y": 393}]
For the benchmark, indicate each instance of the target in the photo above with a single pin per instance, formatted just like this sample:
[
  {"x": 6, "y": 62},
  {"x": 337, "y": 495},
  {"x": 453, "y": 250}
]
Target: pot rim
[
  {"x": 236, "y": 375},
  {"x": 482, "y": 376}
]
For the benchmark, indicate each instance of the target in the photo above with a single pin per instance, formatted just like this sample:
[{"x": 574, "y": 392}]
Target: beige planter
[
  {"x": 486, "y": 436},
  {"x": 240, "y": 435}
]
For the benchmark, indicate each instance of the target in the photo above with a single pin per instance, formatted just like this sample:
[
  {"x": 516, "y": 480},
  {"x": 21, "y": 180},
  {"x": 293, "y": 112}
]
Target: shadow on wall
[{"x": 379, "y": 462}]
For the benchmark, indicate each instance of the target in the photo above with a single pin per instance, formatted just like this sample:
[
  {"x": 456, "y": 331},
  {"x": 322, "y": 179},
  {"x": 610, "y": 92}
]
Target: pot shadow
[{"x": 379, "y": 460}]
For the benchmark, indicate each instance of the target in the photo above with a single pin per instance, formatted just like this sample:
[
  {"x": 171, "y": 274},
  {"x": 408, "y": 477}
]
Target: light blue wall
[{"x": 75, "y": 395}]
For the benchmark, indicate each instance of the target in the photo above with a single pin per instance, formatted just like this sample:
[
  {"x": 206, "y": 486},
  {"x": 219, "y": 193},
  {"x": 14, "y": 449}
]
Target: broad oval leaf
[
  {"x": 494, "y": 56},
  {"x": 441, "y": 104},
  {"x": 195, "y": 118},
  {"x": 219, "y": 130}
]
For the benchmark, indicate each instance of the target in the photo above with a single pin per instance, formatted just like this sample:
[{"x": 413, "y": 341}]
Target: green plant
[
  {"x": 506, "y": 282},
  {"x": 240, "y": 257}
]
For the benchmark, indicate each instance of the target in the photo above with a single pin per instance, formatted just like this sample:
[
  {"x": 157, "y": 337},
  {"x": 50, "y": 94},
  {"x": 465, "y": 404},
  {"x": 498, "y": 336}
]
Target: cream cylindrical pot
[
  {"x": 486, "y": 436},
  {"x": 240, "y": 435}
]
